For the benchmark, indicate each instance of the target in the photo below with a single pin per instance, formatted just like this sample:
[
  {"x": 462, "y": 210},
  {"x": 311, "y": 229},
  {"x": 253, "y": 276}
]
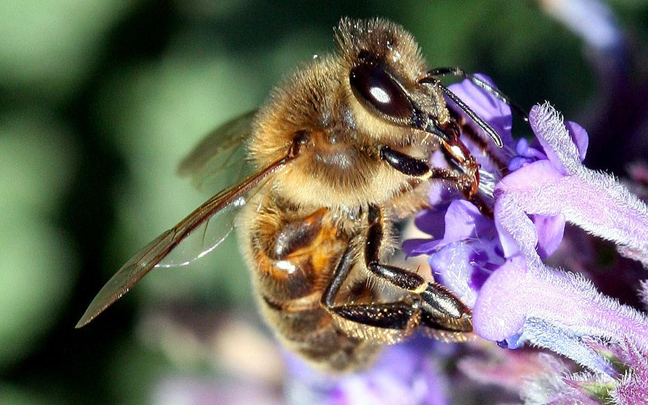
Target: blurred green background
[{"x": 99, "y": 101}]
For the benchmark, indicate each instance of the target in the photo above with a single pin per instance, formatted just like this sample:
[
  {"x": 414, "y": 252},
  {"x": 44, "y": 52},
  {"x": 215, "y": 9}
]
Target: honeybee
[{"x": 340, "y": 151}]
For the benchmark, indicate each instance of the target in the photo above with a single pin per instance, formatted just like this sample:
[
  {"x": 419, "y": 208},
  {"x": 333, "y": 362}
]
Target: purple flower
[
  {"x": 496, "y": 265},
  {"x": 632, "y": 387},
  {"x": 403, "y": 374},
  {"x": 468, "y": 252},
  {"x": 627, "y": 386}
]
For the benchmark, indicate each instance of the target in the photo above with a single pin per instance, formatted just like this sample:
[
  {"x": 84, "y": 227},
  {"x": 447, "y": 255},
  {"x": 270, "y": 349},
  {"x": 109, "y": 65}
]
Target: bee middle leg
[
  {"x": 441, "y": 306},
  {"x": 427, "y": 304},
  {"x": 398, "y": 318}
]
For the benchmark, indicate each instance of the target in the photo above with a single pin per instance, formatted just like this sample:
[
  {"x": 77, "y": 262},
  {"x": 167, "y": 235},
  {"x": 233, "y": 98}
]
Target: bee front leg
[
  {"x": 465, "y": 182},
  {"x": 414, "y": 167}
]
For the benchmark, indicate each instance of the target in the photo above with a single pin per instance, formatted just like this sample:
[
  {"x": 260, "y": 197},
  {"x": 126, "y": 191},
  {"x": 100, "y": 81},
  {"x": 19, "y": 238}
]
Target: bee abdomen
[
  {"x": 294, "y": 255},
  {"x": 309, "y": 330},
  {"x": 297, "y": 235}
]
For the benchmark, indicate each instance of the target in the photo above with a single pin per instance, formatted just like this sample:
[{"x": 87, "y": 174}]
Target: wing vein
[{"x": 147, "y": 258}]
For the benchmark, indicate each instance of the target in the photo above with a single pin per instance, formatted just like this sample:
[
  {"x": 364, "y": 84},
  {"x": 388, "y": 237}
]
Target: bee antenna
[
  {"x": 432, "y": 77},
  {"x": 521, "y": 112},
  {"x": 469, "y": 112},
  {"x": 456, "y": 71}
]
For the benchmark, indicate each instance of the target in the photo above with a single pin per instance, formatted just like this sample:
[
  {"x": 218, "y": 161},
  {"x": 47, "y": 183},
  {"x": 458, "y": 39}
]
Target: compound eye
[{"x": 372, "y": 85}]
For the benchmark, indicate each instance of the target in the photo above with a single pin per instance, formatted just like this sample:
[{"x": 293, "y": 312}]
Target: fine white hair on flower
[
  {"x": 550, "y": 127},
  {"x": 499, "y": 261}
]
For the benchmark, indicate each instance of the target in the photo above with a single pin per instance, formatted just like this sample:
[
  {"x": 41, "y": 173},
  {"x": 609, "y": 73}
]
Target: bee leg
[
  {"x": 340, "y": 275},
  {"x": 439, "y": 304},
  {"x": 400, "y": 317},
  {"x": 412, "y": 166},
  {"x": 429, "y": 304},
  {"x": 404, "y": 163},
  {"x": 467, "y": 182}
]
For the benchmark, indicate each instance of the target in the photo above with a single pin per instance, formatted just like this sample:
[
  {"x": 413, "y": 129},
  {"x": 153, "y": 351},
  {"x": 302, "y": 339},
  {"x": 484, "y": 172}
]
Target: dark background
[{"x": 99, "y": 101}]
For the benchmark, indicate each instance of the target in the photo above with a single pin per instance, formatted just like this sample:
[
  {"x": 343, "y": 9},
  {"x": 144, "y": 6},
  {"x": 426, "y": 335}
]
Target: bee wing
[
  {"x": 221, "y": 153},
  {"x": 156, "y": 251},
  {"x": 221, "y": 150}
]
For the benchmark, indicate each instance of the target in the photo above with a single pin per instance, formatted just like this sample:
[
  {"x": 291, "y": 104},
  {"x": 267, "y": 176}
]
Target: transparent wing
[
  {"x": 221, "y": 151},
  {"x": 205, "y": 238},
  {"x": 226, "y": 202}
]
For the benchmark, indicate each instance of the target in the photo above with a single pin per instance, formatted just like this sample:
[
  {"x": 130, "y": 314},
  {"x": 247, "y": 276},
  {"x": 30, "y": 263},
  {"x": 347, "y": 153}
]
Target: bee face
[
  {"x": 350, "y": 104},
  {"x": 385, "y": 68},
  {"x": 340, "y": 150}
]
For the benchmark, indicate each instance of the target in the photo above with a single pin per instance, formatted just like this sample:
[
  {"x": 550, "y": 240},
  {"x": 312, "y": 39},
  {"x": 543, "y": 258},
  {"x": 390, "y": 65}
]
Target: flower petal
[
  {"x": 579, "y": 137},
  {"x": 563, "y": 302},
  {"x": 555, "y": 139},
  {"x": 497, "y": 314},
  {"x": 463, "y": 221},
  {"x": 550, "y": 231}
]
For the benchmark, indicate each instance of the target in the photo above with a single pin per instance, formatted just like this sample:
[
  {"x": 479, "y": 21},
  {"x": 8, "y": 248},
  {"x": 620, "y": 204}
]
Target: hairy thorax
[{"x": 339, "y": 164}]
